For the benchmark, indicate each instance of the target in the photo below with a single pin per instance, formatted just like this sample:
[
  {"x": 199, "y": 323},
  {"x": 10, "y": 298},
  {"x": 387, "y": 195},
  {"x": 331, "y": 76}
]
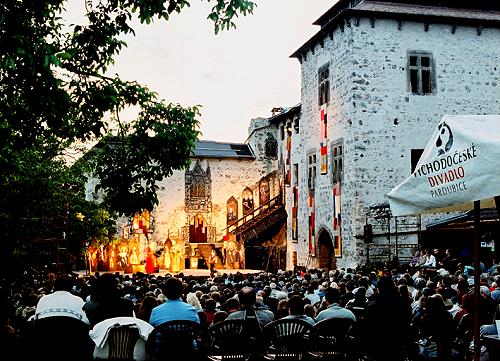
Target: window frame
[
  {"x": 324, "y": 84},
  {"x": 337, "y": 176},
  {"x": 312, "y": 172},
  {"x": 419, "y": 68}
]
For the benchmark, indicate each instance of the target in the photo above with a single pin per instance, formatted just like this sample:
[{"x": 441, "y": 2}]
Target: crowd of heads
[{"x": 424, "y": 294}]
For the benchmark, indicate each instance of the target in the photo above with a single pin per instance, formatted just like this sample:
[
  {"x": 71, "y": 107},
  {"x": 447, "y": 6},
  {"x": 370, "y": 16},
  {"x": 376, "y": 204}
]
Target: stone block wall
[{"x": 372, "y": 110}]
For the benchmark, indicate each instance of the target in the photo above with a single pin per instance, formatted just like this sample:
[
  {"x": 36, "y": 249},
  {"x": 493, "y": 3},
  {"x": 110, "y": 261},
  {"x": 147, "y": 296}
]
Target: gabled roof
[{"x": 211, "y": 149}]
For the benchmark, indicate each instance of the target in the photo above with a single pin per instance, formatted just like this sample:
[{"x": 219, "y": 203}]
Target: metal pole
[
  {"x": 396, "y": 242},
  {"x": 477, "y": 272}
]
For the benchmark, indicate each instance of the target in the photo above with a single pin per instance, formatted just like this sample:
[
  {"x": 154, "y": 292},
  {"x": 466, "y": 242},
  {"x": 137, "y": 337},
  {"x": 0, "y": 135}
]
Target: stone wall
[{"x": 373, "y": 111}]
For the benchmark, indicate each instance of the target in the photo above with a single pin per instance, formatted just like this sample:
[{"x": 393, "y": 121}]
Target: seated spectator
[
  {"x": 310, "y": 311},
  {"x": 296, "y": 310},
  {"x": 174, "y": 307},
  {"x": 106, "y": 301},
  {"x": 491, "y": 329},
  {"x": 334, "y": 310},
  {"x": 495, "y": 294},
  {"x": 145, "y": 308},
  {"x": 247, "y": 298},
  {"x": 61, "y": 302},
  {"x": 430, "y": 261},
  {"x": 220, "y": 316}
]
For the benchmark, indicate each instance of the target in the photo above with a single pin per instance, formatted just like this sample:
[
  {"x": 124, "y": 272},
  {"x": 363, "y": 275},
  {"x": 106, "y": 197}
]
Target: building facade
[{"x": 376, "y": 79}]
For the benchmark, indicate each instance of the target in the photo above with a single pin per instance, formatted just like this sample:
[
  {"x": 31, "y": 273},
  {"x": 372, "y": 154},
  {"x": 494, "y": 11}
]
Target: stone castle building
[
  {"x": 376, "y": 79},
  {"x": 308, "y": 187}
]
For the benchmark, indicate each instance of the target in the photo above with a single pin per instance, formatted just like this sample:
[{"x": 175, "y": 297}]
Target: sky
[{"x": 235, "y": 75}]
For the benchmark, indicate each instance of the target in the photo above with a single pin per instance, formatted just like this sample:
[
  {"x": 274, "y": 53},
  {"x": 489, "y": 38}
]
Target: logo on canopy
[{"x": 445, "y": 138}]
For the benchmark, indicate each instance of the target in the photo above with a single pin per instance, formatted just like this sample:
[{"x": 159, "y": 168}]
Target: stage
[{"x": 187, "y": 272}]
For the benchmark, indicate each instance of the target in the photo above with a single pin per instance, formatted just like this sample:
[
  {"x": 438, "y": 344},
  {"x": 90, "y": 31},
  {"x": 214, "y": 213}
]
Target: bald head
[{"x": 247, "y": 297}]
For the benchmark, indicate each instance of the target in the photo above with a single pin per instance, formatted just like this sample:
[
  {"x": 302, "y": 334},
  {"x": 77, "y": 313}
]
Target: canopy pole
[{"x": 477, "y": 272}]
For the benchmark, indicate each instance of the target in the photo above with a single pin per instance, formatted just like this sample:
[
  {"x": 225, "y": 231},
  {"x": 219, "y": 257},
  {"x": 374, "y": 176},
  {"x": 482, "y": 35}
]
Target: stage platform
[{"x": 189, "y": 272}]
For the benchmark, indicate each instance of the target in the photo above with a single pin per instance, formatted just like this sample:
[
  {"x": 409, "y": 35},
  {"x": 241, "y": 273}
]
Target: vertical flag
[
  {"x": 294, "y": 212},
  {"x": 337, "y": 220},
  {"x": 288, "y": 165},
  {"x": 312, "y": 240},
  {"x": 323, "y": 144}
]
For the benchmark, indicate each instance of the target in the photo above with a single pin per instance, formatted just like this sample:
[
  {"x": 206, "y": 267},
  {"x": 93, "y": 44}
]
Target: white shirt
[
  {"x": 61, "y": 303},
  {"x": 431, "y": 261}
]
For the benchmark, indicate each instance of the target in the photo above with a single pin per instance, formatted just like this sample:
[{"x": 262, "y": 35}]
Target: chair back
[
  {"x": 228, "y": 340},
  {"x": 121, "y": 342},
  {"x": 58, "y": 338},
  {"x": 333, "y": 333},
  {"x": 174, "y": 340},
  {"x": 288, "y": 338}
]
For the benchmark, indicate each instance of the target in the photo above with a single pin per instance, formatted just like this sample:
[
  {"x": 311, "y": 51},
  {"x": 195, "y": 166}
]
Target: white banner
[{"x": 460, "y": 164}]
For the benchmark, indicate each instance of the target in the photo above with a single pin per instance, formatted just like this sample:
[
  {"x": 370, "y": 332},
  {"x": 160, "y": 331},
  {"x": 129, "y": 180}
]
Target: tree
[{"x": 54, "y": 94}]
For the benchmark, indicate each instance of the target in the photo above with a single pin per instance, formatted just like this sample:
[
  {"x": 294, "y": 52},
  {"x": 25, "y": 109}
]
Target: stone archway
[{"x": 326, "y": 251}]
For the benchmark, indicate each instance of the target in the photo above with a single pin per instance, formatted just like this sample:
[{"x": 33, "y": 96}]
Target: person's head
[
  {"x": 332, "y": 295},
  {"x": 435, "y": 305},
  {"x": 173, "y": 288},
  {"x": 247, "y": 297},
  {"x": 386, "y": 286},
  {"x": 210, "y": 305},
  {"x": 309, "y": 311},
  {"x": 231, "y": 305},
  {"x": 220, "y": 316},
  {"x": 106, "y": 287},
  {"x": 295, "y": 305},
  {"x": 63, "y": 283},
  {"x": 146, "y": 306}
]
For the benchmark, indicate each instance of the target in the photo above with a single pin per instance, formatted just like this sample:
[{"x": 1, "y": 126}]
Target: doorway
[{"x": 326, "y": 251}]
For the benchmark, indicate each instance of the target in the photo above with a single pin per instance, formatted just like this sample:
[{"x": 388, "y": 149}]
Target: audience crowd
[{"x": 398, "y": 312}]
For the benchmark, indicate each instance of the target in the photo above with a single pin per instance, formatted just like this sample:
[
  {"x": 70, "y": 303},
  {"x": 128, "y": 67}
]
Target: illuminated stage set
[
  {"x": 226, "y": 208},
  {"x": 138, "y": 252}
]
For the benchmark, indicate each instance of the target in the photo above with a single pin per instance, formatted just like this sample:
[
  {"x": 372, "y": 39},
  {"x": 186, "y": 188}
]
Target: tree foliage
[{"x": 54, "y": 93}]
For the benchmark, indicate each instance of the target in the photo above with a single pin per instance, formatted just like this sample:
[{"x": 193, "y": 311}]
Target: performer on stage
[
  {"x": 150, "y": 259},
  {"x": 212, "y": 260}
]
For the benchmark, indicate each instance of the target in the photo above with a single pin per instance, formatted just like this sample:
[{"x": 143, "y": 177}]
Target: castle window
[
  {"x": 421, "y": 73},
  {"x": 311, "y": 170},
  {"x": 271, "y": 147},
  {"x": 324, "y": 84},
  {"x": 337, "y": 164}
]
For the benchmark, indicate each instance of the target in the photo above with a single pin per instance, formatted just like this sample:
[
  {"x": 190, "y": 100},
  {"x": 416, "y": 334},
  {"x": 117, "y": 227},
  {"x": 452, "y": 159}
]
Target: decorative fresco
[
  {"x": 264, "y": 194},
  {"x": 248, "y": 203},
  {"x": 232, "y": 210}
]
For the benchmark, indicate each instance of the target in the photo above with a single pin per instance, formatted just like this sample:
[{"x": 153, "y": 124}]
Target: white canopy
[{"x": 460, "y": 164}]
